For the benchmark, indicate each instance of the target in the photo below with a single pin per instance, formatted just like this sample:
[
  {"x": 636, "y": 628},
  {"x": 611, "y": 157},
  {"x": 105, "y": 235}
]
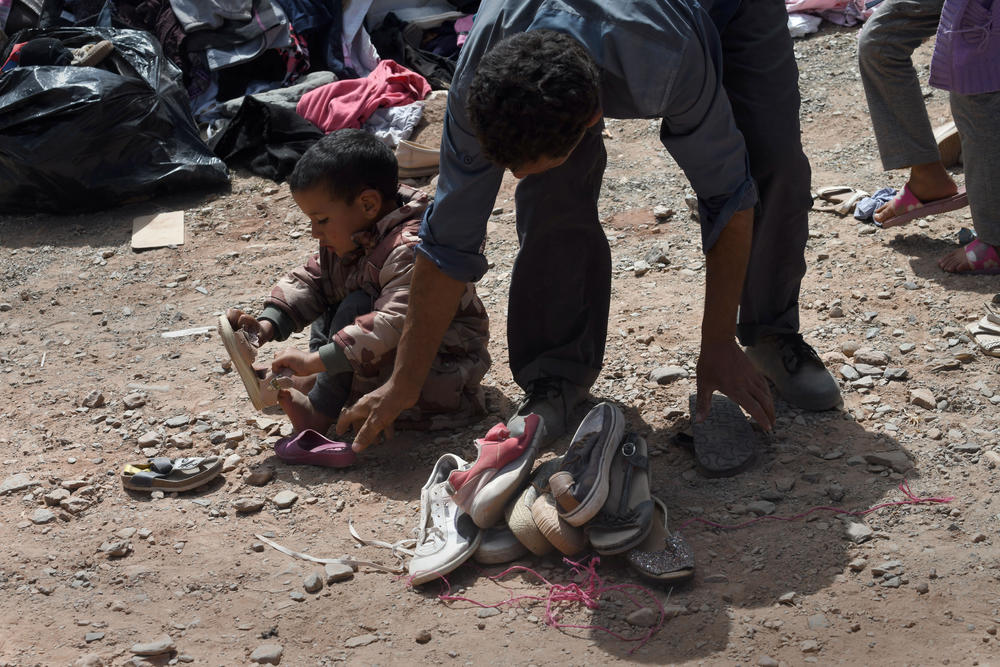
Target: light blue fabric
[{"x": 866, "y": 207}]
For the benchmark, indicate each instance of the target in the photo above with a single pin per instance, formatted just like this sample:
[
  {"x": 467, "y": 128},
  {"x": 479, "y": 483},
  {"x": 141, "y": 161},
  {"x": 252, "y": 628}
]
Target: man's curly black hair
[{"x": 532, "y": 96}]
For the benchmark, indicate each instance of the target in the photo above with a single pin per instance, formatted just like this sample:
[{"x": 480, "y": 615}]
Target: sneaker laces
[
  {"x": 795, "y": 351},
  {"x": 541, "y": 389}
]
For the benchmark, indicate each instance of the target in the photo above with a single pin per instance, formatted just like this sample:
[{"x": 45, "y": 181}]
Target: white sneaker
[{"x": 448, "y": 536}]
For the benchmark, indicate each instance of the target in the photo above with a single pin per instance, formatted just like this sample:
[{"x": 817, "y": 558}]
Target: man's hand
[
  {"x": 434, "y": 298},
  {"x": 298, "y": 362},
  {"x": 374, "y": 413},
  {"x": 724, "y": 367},
  {"x": 263, "y": 329}
]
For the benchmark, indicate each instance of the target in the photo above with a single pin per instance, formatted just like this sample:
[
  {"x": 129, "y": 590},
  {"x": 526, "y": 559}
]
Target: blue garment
[
  {"x": 865, "y": 209},
  {"x": 658, "y": 59}
]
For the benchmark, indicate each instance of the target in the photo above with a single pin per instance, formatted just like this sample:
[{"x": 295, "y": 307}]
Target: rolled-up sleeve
[
  {"x": 700, "y": 133},
  {"x": 454, "y": 226}
]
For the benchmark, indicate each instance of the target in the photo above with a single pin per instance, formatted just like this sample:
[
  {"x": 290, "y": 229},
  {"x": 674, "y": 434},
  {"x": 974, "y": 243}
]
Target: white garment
[
  {"x": 801, "y": 24},
  {"x": 393, "y": 124}
]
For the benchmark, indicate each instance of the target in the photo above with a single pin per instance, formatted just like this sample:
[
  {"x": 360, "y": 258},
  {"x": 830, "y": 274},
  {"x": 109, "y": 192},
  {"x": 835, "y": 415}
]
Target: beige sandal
[{"x": 262, "y": 385}]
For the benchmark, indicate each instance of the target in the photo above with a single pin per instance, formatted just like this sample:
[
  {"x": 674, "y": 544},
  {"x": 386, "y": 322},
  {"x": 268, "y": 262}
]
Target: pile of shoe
[{"x": 595, "y": 496}]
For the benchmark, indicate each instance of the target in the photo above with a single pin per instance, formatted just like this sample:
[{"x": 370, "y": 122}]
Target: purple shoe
[{"x": 311, "y": 448}]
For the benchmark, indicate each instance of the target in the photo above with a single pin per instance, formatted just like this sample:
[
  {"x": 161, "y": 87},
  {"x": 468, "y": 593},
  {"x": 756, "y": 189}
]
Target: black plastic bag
[{"x": 86, "y": 138}]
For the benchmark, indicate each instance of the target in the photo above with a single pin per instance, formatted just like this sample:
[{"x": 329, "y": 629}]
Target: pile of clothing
[
  {"x": 261, "y": 80},
  {"x": 596, "y": 496}
]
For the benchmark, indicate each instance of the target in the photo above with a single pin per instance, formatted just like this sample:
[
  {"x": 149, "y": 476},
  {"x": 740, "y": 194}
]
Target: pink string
[
  {"x": 558, "y": 597},
  {"x": 589, "y": 592},
  {"x": 903, "y": 486}
]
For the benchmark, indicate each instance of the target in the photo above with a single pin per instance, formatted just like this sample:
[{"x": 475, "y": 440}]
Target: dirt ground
[{"x": 88, "y": 569}]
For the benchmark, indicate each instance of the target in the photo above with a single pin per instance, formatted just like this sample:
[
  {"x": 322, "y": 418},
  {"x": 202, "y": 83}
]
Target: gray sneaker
[
  {"x": 553, "y": 399},
  {"x": 796, "y": 371}
]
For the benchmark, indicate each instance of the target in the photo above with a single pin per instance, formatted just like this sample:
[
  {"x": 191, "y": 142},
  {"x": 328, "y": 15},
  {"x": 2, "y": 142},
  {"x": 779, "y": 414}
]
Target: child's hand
[
  {"x": 300, "y": 363},
  {"x": 263, "y": 329}
]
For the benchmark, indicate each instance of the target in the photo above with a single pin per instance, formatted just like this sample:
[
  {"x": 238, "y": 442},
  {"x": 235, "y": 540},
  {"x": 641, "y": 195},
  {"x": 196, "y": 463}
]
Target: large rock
[
  {"x": 18, "y": 482},
  {"x": 267, "y": 654},
  {"x": 667, "y": 374},
  {"x": 896, "y": 459},
  {"x": 160, "y": 645},
  {"x": 923, "y": 398}
]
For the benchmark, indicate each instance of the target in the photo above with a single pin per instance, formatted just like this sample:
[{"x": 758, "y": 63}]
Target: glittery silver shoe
[{"x": 663, "y": 557}]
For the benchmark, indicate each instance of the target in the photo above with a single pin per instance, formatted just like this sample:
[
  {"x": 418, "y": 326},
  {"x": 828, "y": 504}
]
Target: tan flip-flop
[
  {"x": 263, "y": 391},
  {"x": 986, "y": 333},
  {"x": 164, "y": 474}
]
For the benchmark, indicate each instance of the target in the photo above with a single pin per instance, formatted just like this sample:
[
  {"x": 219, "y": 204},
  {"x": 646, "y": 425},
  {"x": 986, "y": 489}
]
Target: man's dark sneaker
[
  {"x": 580, "y": 487},
  {"x": 796, "y": 371},
  {"x": 553, "y": 399}
]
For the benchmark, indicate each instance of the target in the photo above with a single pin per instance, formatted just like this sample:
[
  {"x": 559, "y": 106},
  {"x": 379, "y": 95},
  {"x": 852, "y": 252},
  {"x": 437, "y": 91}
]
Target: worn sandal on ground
[
  {"x": 568, "y": 539},
  {"x": 518, "y": 512},
  {"x": 840, "y": 199},
  {"x": 627, "y": 515},
  {"x": 312, "y": 448},
  {"x": 499, "y": 545},
  {"x": 262, "y": 386},
  {"x": 725, "y": 443},
  {"x": 907, "y": 207},
  {"x": 164, "y": 474},
  {"x": 663, "y": 557},
  {"x": 986, "y": 333}
]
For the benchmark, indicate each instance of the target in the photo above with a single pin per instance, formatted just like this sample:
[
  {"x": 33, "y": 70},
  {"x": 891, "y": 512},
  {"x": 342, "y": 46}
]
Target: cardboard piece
[{"x": 156, "y": 231}]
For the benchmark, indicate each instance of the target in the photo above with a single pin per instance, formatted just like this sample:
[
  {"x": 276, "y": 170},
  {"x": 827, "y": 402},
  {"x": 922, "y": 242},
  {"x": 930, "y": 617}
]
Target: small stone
[
  {"x": 159, "y": 646},
  {"x": 313, "y": 583},
  {"x": 787, "y": 598},
  {"x": 178, "y": 421},
  {"x": 818, "y": 621},
  {"x": 149, "y": 438},
  {"x": 5, "y": 307},
  {"x": 835, "y": 492},
  {"x": 133, "y": 401},
  {"x": 836, "y": 312},
  {"x": 640, "y": 268},
  {"x": 979, "y": 537},
  {"x": 895, "y": 373},
  {"x": 767, "y": 661},
  {"x": 55, "y": 496},
  {"x": 922, "y": 588},
  {"x": 857, "y": 532},
  {"x": 646, "y": 617},
  {"x": 337, "y": 572},
  {"x": 284, "y": 499},
  {"x": 298, "y": 596},
  {"x": 906, "y": 348},
  {"x": 892, "y": 582},
  {"x": 231, "y": 462},
  {"x": 267, "y": 654},
  {"x": 94, "y": 399},
  {"x": 93, "y": 637},
  {"x": 784, "y": 484},
  {"x": 657, "y": 255},
  {"x": 260, "y": 476},
  {"x": 850, "y": 373},
  {"x": 89, "y": 660},
  {"x": 668, "y": 374},
  {"x": 248, "y": 505},
  {"x": 897, "y": 460},
  {"x": 422, "y": 637},
  {"x": 42, "y": 516},
  {"x": 116, "y": 548},
  {"x": 870, "y": 356},
  {"x": 486, "y": 612},
  {"x": 761, "y": 507},
  {"x": 857, "y": 565},
  {"x": 235, "y": 436},
  {"x": 849, "y": 348},
  {"x": 74, "y": 505},
  {"x": 885, "y": 567},
  {"x": 923, "y": 398},
  {"x": 18, "y": 482},
  {"x": 361, "y": 640},
  {"x": 661, "y": 212},
  {"x": 809, "y": 646},
  {"x": 180, "y": 441}
]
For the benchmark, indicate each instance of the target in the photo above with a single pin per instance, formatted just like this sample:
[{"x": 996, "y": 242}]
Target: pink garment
[
  {"x": 351, "y": 102},
  {"x": 841, "y": 12},
  {"x": 462, "y": 27}
]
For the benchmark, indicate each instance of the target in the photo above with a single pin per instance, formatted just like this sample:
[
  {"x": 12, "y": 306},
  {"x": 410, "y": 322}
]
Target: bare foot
[
  {"x": 301, "y": 412},
  {"x": 928, "y": 182},
  {"x": 955, "y": 261}
]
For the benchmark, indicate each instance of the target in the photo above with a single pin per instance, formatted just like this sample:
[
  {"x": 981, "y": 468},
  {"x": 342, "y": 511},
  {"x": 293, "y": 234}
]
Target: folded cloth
[
  {"x": 867, "y": 206},
  {"x": 350, "y": 103}
]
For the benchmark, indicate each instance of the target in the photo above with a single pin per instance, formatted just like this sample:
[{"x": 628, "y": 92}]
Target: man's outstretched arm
[
  {"x": 722, "y": 365},
  {"x": 434, "y": 298}
]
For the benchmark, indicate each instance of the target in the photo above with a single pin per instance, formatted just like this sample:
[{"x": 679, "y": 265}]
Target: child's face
[{"x": 335, "y": 221}]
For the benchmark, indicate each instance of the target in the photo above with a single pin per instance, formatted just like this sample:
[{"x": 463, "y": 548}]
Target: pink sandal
[
  {"x": 983, "y": 259},
  {"x": 908, "y": 207}
]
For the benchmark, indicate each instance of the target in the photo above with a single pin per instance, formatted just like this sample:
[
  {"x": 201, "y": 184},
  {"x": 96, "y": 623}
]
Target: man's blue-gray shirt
[{"x": 657, "y": 58}]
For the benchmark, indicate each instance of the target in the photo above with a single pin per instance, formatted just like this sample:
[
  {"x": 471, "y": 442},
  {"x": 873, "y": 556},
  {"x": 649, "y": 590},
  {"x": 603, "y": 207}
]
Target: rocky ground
[{"x": 92, "y": 574}]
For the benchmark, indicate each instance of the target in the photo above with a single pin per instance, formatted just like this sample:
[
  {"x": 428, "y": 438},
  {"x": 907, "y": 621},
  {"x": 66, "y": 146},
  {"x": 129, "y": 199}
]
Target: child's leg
[{"x": 318, "y": 407}]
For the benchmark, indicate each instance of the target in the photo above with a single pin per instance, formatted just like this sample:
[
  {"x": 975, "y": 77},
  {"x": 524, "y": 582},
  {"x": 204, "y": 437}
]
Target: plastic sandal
[{"x": 908, "y": 207}]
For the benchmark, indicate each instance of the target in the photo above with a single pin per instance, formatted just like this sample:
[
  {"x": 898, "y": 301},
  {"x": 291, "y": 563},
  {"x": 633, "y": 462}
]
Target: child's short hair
[{"x": 347, "y": 162}]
